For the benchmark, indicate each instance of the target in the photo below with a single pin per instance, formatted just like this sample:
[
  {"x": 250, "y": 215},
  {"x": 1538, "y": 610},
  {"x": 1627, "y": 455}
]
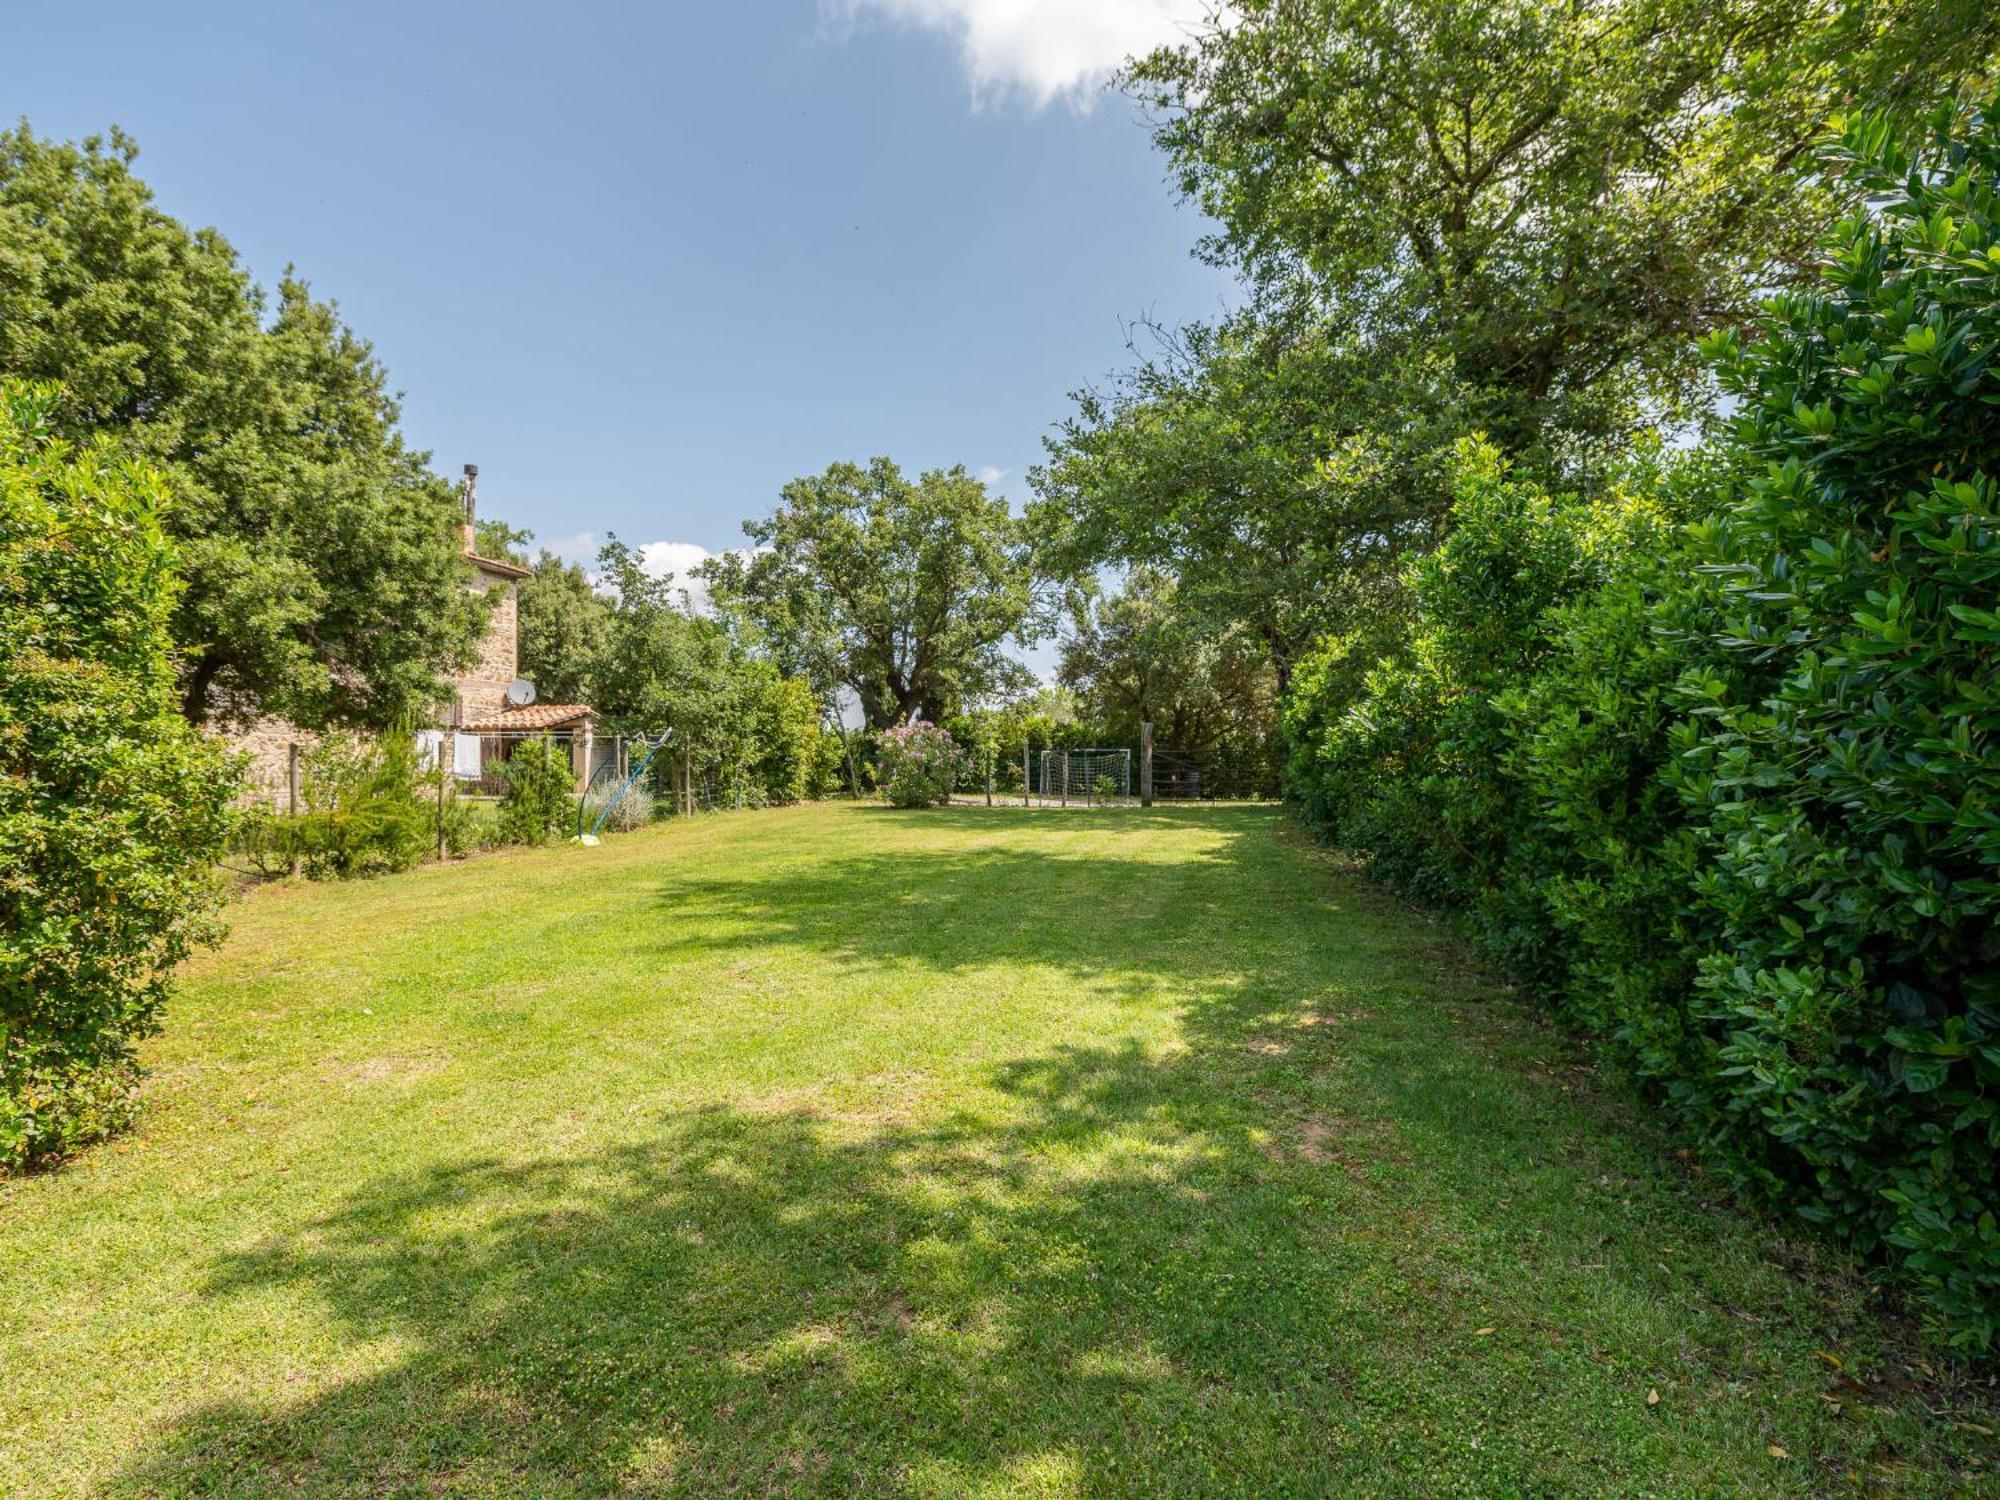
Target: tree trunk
[{"x": 194, "y": 700}]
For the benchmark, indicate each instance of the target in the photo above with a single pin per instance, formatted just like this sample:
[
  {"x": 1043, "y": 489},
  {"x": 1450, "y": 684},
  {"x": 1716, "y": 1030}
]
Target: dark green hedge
[{"x": 1727, "y": 789}]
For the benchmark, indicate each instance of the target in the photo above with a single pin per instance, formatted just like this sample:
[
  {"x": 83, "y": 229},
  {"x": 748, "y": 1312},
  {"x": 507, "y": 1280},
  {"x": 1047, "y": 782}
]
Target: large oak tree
[{"x": 904, "y": 593}]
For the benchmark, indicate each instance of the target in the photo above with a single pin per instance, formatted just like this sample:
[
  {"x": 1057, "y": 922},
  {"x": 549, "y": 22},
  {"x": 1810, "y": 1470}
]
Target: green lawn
[{"x": 841, "y": 1150}]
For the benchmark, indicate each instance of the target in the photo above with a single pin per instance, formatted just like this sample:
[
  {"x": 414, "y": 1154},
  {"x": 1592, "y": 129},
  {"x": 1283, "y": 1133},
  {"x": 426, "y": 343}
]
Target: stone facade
[
  {"x": 482, "y": 688},
  {"x": 267, "y": 780}
]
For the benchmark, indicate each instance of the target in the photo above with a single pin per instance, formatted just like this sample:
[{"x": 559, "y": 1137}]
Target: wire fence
[{"x": 1114, "y": 776}]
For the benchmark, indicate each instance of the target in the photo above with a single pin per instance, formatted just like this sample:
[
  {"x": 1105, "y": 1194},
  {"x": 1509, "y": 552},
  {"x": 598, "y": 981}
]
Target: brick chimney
[{"x": 469, "y": 488}]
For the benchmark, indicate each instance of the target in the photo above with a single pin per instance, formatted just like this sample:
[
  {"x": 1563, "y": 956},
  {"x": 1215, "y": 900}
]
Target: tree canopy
[
  {"x": 1560, "y": 197},
  {"x": 905, "y": 593},
  {"x": 1135, "y": 657},
  {"x": 321, "y": 572},
  {"x": 1512, "y": 220},
  {"x": 563, "y": 627}
]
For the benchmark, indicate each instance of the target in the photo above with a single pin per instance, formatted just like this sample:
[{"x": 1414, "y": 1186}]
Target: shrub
[
  {"x": 633, "y": 811},
  {"x": 916, "y": 765},
  {"x": 1403, "y": 760},
  {"x": 367, "y": 810},
  {"x": 785, "y": 741},
  {"x": 112, "y": 810},
  {"x": 541, "y": 789},
  {"x": 1844, "y": 760},
  {"x": 1730, "y": 792},
  {"x": 1599, "y": 874}
]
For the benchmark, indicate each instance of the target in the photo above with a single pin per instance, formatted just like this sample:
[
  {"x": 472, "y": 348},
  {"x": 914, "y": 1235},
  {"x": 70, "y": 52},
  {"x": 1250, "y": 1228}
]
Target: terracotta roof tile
[
  {"x": 496, "y": 565},
  {"x": 534, "y": 716}
]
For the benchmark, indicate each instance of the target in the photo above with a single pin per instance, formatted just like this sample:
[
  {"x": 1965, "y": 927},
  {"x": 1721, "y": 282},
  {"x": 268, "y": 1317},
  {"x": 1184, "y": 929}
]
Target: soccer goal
[{"x": 1086, "y": 778}]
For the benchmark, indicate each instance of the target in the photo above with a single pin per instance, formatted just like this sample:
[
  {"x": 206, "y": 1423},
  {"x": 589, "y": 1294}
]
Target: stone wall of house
[
  {"x": 268, "y": 743},
  {"x": 482, "y": 687}
]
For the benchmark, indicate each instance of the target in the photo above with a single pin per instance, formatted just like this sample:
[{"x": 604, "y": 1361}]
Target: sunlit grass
[{"x": 974, "y": 1152}]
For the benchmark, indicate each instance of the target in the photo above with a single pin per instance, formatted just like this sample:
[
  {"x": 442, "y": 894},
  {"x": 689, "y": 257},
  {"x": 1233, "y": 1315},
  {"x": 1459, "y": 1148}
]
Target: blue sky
[{"x": 643, "y": 263}]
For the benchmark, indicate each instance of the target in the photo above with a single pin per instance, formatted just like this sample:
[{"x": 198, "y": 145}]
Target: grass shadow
[{"x": 1361, "y": 1228}]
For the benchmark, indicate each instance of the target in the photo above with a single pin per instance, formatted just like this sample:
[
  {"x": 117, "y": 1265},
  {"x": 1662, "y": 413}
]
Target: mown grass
[{"x": 837, "y": 1150}]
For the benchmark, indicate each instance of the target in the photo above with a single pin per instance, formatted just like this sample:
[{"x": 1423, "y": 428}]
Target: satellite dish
[{"x": 520, "y": 693}]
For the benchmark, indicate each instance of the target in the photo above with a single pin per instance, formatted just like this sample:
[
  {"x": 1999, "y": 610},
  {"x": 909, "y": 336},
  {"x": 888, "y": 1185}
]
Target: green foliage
[
  {"x": 1139, "y": 657},
  {"x": 365, "y": 809},
  {"x": 1510, "y": 220},
  {"x": 904, "y": 593},
  {"x": 319, "y": 555},
  {"x": 503, "y": 543},
  {"x": 916, "y": 765},
  {"x": 1039, "y": 720},
  {"x": 788, "y": 759},
  {"x": 112, "y": 811},
  {"x": 1411, "y": 767},
  {"x": 1280, "y": 475},
  {"x": 1603, "y": 854},
  {"x": 1553, "y": 197},
  {"x": 563, "y": 626},
  {"x": 664, "y": 670},
  {"x": 1851, "y": 792},
  {"x": 1729, "y": 792},
  {"x": 540, "y": 800},
  {"x": 733, "y": 716}
]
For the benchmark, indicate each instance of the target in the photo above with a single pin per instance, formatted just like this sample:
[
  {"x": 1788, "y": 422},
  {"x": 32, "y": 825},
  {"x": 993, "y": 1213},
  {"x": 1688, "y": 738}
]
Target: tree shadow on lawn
[
  {"x": 1368, "y": 1238},
  {"x": 1226, "y": 910}
]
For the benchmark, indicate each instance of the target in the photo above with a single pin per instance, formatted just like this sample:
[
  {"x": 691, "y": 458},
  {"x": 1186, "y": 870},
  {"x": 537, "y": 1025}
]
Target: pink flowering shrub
[{"x": 917, "y": 765}]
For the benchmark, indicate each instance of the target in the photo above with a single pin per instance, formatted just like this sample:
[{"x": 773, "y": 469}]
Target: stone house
[{"x": 486, "y": 717}]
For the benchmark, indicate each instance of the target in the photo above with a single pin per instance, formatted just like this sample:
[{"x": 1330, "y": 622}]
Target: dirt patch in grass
[{"x": 388, "y": 1068}]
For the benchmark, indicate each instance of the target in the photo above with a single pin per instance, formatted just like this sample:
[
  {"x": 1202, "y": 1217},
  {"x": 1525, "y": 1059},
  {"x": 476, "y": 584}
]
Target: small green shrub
[
  {"x": 916, "y": 765},
  {"x": 113, "y": 811},
  {"x": 540, "y": 800},
  {"x": 367, "y": 810}
]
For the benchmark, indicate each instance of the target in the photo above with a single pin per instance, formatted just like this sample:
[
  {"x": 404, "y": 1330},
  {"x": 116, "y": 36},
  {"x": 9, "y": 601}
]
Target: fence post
[
  {"x": 292, "y": 796},
  {"x": 989, "y": 757},
  {"x": 1146, "y": 764},
  {"x": 1027, "y": 777},
  {"x": 440, "y": 797}
]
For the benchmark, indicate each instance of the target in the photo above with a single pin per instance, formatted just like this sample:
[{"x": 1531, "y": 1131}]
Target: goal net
[{"x": 1088, "y": 778}]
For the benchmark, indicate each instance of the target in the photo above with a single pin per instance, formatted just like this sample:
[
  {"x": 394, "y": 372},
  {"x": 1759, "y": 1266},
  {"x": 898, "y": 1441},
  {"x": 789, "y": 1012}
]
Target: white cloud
[
  {"x": 989, "y": 476},
  {"x": 1043, "y": 49},
  {"x": 680, "y": 559},
  {"x": 580, "y": 548}
]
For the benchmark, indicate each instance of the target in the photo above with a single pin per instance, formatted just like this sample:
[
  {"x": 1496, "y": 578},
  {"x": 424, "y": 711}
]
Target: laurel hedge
[{"x": 1711, "y": 758}]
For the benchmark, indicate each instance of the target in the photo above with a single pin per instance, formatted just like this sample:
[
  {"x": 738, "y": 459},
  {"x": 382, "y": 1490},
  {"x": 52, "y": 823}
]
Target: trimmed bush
[
  {"x": 1850, "y": 794},
  {"x": 112, "y": 810},
  {"x": 916, "y": 764},
  {"x": 1729, "y": 793}
]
